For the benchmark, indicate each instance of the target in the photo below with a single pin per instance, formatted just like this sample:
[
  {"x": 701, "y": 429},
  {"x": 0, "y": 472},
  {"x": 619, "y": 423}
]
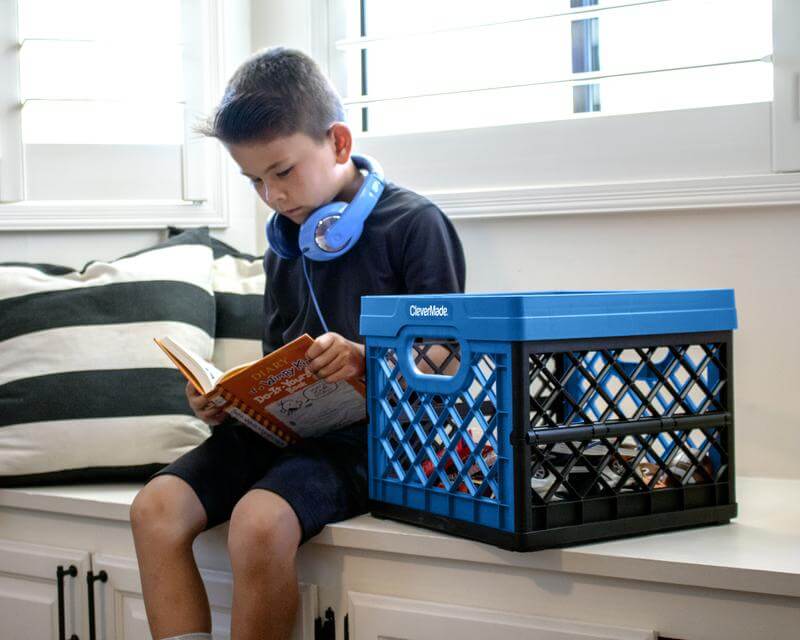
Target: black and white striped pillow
[
  {"x": 239, "y": 290},
  {"x": 85, "y": 394}
]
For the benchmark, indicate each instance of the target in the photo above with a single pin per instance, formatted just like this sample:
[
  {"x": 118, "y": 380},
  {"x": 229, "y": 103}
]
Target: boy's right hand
[{"x": 203, "y": 409}]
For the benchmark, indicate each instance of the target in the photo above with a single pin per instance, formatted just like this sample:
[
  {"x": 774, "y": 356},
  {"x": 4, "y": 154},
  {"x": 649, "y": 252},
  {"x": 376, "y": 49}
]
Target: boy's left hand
[{"x": 333, "y": 357}]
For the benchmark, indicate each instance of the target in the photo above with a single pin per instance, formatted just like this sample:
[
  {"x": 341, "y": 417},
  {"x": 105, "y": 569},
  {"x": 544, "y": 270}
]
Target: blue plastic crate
[{"x": 541, "y": 419}]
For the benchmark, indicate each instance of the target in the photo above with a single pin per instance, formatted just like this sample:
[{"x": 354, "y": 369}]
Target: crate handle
[{"x": 427, "y": 382}]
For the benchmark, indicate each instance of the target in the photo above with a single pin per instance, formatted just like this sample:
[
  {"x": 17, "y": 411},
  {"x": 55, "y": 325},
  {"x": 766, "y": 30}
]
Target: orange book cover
[{"x": 276, "y": 396}]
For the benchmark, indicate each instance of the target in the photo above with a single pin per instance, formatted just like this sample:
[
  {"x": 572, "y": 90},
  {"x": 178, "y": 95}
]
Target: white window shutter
[
  {"x": 12, "y": 165},
  {"x": 518, "y": 62},
  {"x": 195, "y": 151},
  {"x": 786, "y": 103}
]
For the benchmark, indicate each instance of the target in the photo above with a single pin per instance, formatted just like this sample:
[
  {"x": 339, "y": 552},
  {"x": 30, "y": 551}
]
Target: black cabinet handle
[
  {"x": 90, "y": 580},
  {"x": 60, "y": 573}
]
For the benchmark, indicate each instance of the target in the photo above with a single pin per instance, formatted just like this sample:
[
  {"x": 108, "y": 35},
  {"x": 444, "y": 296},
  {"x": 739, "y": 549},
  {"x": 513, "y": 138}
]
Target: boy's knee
[
  {"x": 263, "y": 525},
  {"x": 164, "y": 508}
]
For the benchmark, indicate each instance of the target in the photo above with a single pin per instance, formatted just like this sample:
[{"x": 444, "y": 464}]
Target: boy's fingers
[
  {"x": 335, "y": 364},
  {"x": 323, "y": 360},
  {"x": 337, "y": 376},
  {"x": 210, "y": 413},
  {"x": 211, "y": 418},
  {"x": 192, "y": 390},
  {"x": 197, "y": 403},
  {"x": 321, "y": 344},
  {"x": 345, "y": 372}
]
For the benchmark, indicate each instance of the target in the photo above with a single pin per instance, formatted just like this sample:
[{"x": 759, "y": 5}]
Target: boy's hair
[{"x": 275, "y": 92}]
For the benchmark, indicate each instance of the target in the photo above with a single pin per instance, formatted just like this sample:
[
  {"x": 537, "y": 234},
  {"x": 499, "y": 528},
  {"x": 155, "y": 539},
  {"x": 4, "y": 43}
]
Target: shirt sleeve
[
  {"x": 433, "y": 258},
  {"x": 273, "y": 324}
]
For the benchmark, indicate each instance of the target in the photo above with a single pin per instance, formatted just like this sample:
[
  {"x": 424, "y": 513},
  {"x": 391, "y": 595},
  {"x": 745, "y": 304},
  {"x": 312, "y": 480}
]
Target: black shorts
[{"x": 323, "y": 479}]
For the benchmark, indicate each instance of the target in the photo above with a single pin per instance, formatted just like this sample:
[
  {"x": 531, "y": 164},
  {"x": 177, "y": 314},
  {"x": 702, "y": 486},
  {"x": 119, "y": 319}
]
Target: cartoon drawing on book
[
  {"x": 291, "y": 405},
  {"x": 320, "y": 390},
  {"x": 320, "y": 403}
]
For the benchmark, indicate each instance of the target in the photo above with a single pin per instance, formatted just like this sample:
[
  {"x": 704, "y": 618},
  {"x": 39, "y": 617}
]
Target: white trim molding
[
  {"x": 116, "y": 214},
  {"x": 653, "y": 195}
]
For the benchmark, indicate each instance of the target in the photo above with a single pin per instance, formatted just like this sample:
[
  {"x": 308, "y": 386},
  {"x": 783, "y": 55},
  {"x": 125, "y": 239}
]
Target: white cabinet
[
  {"x": 29, "y": 600},
  {"x": 377, "y": 617},
  {"x": 382, "y": 579},
  {"x": 121, "y": 613}
]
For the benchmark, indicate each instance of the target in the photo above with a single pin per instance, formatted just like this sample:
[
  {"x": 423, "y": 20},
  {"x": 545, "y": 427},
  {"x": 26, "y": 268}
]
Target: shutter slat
[
  {"x": 573, "y": 13},
  {"x": 574, "y": 80}
]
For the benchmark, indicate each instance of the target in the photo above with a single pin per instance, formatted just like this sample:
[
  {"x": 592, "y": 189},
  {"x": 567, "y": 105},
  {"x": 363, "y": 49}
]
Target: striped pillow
[
  {"x": 239, "y": 289},
  {"x": 85, "y": 394}
]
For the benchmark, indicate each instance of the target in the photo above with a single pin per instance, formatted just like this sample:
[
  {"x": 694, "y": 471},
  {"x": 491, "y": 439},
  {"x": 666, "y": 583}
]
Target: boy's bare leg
[
  {"x": 263, "y": 540},
  {"x": 166, "y": 517}
]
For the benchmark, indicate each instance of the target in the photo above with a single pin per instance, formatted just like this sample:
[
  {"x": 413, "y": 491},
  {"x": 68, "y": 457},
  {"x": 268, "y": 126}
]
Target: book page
[
  {"x": 319, "y": 407},
  {"x": 205, "y": 374}
]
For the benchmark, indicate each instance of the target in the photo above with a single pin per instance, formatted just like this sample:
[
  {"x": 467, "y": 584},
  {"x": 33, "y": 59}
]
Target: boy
[{"x": 282, "y": 122}]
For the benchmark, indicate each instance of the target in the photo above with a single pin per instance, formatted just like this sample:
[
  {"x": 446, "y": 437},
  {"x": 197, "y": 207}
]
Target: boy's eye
[
  {"x": 284, "y": 173},
  {"x": 255, "y": 180}
]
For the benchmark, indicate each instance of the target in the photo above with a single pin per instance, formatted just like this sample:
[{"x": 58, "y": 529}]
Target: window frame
[
  {"x": 486, "y": 172},
  {"x": 221, "y": 33}
]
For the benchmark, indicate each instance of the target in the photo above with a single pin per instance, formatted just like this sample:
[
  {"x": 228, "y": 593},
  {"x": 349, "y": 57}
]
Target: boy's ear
[{"x": 342, "y": 139}]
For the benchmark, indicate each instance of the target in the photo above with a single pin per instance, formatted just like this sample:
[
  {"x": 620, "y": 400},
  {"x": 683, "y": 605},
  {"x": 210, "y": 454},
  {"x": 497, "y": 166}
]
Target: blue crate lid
[{"x": 552, "y": 315}]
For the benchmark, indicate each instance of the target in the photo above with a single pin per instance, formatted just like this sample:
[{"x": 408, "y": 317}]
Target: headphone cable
[{"x": 313, "y": 297}]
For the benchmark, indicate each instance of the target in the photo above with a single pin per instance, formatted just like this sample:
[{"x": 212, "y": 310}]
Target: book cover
[{"x": 276, "y": 396}]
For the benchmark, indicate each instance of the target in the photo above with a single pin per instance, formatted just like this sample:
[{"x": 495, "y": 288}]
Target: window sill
[
  {"x": 766, "y": 190},
  {"x": 118, "y": 215}
]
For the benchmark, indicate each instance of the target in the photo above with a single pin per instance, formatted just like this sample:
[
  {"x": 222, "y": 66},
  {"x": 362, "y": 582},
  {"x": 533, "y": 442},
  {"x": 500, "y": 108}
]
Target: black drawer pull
[
  {"x": 60, "y": 573},
  {"x": 90, "y": 580}
]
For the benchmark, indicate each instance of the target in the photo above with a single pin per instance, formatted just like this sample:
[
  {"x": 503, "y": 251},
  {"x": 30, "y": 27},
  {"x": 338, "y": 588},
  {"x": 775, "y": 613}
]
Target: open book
[{"x": 277, "y": 396}]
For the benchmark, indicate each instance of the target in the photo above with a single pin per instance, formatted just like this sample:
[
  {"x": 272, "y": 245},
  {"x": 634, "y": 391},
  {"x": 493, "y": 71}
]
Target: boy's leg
[
  {"x": 263, "y": 540},
  {"x": 308, "y": 486},
  {"x": 166, "y": 517},
  {"x": 195, "y": 492}
]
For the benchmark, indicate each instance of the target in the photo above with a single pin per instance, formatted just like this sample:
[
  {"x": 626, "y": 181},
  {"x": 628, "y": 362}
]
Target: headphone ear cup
[
  {"x": 341, "y": 233},
  {"x": 308, "y": 240},
  {"x": 282, "y": 235}
]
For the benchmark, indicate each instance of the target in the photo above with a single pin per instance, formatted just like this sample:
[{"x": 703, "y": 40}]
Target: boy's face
[{"x": 293, "y": 174}]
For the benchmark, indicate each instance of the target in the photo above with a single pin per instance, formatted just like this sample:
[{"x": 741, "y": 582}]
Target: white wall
[{"x": 752, "y": 251}]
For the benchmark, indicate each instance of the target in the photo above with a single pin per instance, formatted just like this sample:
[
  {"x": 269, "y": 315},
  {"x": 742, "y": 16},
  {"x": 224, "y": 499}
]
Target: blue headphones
[
  {"x": 333, "y": 229},
  {"x": 330, "y": 231}
]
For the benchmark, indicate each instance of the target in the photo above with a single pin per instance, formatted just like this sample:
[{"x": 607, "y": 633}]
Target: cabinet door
[
  {"x": 29, "y": 591},
  {"x": 120, "y": 612},
  {"x": 374, "y": 617}
]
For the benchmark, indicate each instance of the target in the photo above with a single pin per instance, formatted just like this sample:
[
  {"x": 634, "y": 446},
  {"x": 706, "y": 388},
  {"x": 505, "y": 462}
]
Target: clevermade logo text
[{"x": 429, "y": 311}]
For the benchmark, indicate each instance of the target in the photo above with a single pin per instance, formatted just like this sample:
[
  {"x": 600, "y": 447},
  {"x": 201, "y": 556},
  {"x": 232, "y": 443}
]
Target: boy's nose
[{"x": 275, "y": 200}]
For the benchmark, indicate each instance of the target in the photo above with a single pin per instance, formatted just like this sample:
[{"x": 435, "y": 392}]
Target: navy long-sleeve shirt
[{"x": 407, "y": 246}]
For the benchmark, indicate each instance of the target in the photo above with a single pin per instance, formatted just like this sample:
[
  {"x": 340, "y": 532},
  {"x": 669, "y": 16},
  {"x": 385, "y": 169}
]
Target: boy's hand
[
  {"x": 333, "y": 358},
  {"x": 203, "y": 409}
]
